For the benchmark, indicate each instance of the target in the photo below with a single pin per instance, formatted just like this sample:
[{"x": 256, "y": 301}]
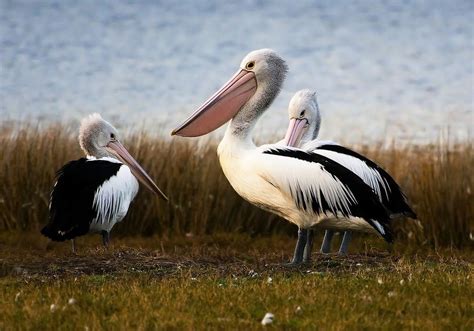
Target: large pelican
[
  {"x": 92, "y": 194},
  {"x": 305, "y": 121},
  {"x": 303, "y": 187}
]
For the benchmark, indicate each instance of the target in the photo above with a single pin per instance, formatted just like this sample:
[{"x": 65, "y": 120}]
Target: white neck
[
  {"x": 243, "y": 123},
  {"x": 236, "y": 141}
]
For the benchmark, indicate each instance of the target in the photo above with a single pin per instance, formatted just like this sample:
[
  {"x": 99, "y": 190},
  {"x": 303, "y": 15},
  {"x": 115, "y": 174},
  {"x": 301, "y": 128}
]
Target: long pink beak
[
  {"x": 220, "y": 107},
  {"x": 295, "y": 132},
  {"x": 117, "y": 148}
]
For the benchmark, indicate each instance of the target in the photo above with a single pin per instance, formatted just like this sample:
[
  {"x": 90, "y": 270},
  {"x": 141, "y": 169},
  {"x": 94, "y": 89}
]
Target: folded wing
[{"x": 321, "y": 186}]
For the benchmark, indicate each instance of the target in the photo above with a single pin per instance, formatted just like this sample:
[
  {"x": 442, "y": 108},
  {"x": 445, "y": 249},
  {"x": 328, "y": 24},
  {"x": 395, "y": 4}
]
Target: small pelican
[
  {"x": 92, "y": 194},
  {"x": 305, "y": 121},
  {"x": 303, "y": 187}
]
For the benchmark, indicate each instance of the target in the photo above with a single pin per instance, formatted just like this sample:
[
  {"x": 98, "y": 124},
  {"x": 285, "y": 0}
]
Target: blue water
[{"x": 382, "y": 69}]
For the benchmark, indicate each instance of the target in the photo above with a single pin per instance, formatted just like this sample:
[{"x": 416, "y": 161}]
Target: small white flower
[
  {"x": 380, "y": 280},
  {"x": 53, "y": 308},
  {"x": 269, "y": 280},
  {"x": 17, "y": 296},
  {"x": 402, "y": 282},
  {"x": 471, "y": 236},
  {"x": 391, "y": 294},
  {"x": 268, "y": 319},
  {"x": 253, "y": 274},
  {"x": 358, "y": 264},
  {"x": 71, "y": 301},
  {"x": 298, "y": 309},
  {"x": 193, "y": 278}
]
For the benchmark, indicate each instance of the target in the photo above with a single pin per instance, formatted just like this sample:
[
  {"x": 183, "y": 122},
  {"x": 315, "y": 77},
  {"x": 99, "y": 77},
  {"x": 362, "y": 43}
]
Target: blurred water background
[{"x": 382, "y": 69}]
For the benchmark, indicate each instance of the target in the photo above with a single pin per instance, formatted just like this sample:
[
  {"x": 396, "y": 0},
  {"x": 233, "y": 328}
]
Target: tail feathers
[
  {"x": 384, "y": 229},
  {"x": 56, "y": 234},
  {"x": 398, "y": 206},
  {"x": 407, "y": 211},
  {"x": 53, "y": 233},
  {"x": 410, "y": 214}
]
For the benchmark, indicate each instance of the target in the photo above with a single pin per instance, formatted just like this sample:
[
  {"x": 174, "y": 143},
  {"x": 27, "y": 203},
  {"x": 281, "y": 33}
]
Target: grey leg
[
  {"x": 300, "y": 245},
  {"x": 105, "y": 238},
  {"x": 345, "y": 243},
  {"x": 309, "y": 247},
  {"x": 326, "y": 245},
  {"x": 73, "y": 245}
]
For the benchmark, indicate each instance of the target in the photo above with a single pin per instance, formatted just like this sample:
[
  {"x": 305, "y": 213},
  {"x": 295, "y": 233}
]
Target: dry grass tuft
[{"x": 437, "y": 179}]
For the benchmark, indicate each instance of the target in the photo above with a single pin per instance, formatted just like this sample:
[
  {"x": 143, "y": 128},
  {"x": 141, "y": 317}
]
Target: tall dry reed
[{"x": 437, "y": 179}]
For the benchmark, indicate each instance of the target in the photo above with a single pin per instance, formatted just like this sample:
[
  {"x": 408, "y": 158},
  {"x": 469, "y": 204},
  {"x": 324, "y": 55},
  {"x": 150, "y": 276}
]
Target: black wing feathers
[
  {"x": 396, "y": 202},
  {"x": 367, "y": 205},
  {"x": 71, "y": 209}
]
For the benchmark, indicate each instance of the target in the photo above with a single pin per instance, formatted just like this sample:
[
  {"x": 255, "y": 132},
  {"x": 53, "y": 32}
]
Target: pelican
[
  {"x": 303, "y": 129},
  {"x": 92, "y": 194},
  {"x": 305, "y": 188}
]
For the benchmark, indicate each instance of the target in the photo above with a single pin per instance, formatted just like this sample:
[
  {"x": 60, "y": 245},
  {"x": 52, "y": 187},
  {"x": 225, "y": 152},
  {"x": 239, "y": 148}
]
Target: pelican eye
[
  {"x": 250, "y": 65},
  {"x": 112, "y": 136},
  {"x": 302, "y": 113}
]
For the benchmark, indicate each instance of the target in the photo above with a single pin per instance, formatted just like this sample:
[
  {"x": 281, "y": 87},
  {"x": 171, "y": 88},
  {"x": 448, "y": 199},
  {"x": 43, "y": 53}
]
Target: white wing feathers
[
  {"x": 308, "y": 183},
  {"x": 113, "y": 197},
  {"x": 369, "y": 175}
]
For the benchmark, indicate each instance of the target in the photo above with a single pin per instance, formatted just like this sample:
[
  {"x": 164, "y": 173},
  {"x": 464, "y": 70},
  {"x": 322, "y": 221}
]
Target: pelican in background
[
  {"x": 303, "y": 187},
  {"x": 92, "y": 194},
  {"x": 305, "y": 122}
]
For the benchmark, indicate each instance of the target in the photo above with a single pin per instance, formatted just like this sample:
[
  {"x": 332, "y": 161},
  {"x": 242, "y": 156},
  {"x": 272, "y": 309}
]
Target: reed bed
[{"x": 437, "y": 178}]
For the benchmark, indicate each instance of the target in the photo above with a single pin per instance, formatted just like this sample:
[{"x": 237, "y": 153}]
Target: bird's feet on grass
[
  {"x": 304, "y": 246},
  {"x": 293, "y": 264}
]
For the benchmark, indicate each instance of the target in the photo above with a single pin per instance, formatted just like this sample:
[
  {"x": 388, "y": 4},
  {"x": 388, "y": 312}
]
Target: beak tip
[
  {"x": 162, "y": 195},
  {"x": 175, "y": 132}
]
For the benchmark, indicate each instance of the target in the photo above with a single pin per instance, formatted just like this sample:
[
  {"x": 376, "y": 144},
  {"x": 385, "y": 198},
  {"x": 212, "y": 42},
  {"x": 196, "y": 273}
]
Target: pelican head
[
  {"x": 243, "y": 98},
  {"x": 98, "y": 139},
  {"x": 95, "y": 134},
  {"x": 305, "y": 119}
]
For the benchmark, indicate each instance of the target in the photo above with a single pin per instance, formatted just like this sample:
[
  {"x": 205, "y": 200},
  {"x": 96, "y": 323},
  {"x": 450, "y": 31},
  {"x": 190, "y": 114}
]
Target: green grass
[
  {"x": 431, "y": 296},
  {"x": 222, "y": 283}
]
